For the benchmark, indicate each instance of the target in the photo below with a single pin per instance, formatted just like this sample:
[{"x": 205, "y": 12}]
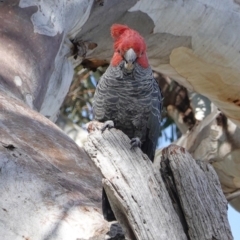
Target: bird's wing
[{"x": 153, "y": 125}]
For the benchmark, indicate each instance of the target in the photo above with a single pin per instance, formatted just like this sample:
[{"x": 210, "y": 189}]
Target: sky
[
  {"x": 233, "y": 215},
  {"x": 234, "y": 221}
]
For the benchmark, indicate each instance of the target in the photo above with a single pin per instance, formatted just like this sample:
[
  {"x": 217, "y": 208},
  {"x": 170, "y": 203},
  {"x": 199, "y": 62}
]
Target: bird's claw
[
  {"x": 135, "y": 142},
  {"x": 107, "y": 125}
]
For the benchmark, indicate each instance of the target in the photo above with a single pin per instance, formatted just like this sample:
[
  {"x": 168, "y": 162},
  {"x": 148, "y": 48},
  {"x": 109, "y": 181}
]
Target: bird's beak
[{"x": 129, "y": 57}]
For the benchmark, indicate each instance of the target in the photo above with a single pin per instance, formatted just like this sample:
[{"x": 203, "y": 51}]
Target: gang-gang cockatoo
[{"x": 128, "y": 97}]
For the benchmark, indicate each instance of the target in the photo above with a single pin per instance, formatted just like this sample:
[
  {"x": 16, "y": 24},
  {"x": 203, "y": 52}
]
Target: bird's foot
[
  {"x": 135, "y": 142},
  {"x": 107, "y": 125}
]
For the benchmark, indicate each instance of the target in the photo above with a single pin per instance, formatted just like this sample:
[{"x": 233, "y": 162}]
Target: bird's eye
[{"x": 119, "y": 51}]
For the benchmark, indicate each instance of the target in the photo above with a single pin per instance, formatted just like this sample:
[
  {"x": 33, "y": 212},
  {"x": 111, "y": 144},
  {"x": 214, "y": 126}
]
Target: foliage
[{"x": 77, "y": 105}]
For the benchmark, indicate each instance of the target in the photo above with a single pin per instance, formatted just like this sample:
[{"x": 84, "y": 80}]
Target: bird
[{"x": 128, "y": 97}]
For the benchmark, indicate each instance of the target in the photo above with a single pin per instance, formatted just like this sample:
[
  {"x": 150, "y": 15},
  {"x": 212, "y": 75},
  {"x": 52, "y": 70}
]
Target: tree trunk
[
  {"x": 145, "y": 206},
  {"x": 48, "y": 184}
]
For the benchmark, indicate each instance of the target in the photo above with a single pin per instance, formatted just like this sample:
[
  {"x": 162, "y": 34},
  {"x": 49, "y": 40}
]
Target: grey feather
[{"x": 132, "y": 102}]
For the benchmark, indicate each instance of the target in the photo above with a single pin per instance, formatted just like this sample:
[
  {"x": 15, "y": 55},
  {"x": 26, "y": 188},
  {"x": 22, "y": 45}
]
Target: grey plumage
[{"x": 132, "y": 101}]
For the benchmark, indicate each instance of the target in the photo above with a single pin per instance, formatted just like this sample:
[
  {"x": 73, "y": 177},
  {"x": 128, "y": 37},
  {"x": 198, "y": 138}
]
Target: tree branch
[
  {"x": 196, "y": 186},
  {"x": 233, "y": 195},
  {"x": 136, "y": 192},
  {"x": 139, "y": 198}
]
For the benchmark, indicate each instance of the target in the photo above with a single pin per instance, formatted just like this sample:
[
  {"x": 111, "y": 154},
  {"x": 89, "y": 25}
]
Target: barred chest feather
[{"x": 130, "y": 100}]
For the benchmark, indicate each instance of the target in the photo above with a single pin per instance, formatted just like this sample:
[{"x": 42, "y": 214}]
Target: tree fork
[{"x": 186, "y": 202}]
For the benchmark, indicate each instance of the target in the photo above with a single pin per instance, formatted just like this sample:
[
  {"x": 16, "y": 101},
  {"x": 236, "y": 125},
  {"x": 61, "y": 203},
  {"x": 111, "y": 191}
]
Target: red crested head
[{"x": 126, "y": 38}]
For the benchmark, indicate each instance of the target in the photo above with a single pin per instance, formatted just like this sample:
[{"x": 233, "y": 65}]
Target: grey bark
[
  {"x": 197, "y": 208},
  {"x": 197, "y": 188},
  {"x": 49, "y": 187}
]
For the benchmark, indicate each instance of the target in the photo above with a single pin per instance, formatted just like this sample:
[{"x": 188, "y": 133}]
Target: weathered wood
[
  {"x": 199, "y": 192},
  {"x": 216, "y": 139},
  {"x": 136, "y": 192},
  {"x": 139, "y": 198}
]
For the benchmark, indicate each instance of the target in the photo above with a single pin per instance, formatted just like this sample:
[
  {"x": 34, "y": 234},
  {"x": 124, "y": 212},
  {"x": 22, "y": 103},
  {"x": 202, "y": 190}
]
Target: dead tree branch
[
  {"x": 140, "y": 200},
  {"x": 136, "y": 192}
]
